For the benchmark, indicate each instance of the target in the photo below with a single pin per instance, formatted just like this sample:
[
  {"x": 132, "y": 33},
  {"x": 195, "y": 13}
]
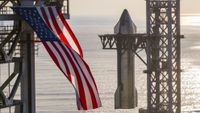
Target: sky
[{"x": 115, "y": 7}]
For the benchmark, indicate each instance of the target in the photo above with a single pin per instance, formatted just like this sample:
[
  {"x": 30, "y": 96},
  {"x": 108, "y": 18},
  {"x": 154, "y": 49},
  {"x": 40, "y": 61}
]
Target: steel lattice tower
[
  {"x": 17, "y": 47},
  {"x": 163, "y": 56}
]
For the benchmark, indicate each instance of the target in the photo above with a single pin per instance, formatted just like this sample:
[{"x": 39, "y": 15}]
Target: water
[{"x": 56, "y": 95}]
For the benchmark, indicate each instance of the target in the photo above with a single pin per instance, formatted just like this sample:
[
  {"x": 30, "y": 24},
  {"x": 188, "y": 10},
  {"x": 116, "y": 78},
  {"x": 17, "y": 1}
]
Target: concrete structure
[{"x": 126, "y": 93}]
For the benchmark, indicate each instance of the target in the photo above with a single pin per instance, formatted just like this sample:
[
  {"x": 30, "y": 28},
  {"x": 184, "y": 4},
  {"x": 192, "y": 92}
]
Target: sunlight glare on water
[{"x": 190, "y": 20}]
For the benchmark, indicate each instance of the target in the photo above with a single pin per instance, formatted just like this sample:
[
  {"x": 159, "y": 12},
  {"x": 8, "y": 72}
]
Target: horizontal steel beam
[
  {"x": 129, "y": 41},
  {"x": 14, "y": 103},
  {"x": 14, "y": 59},
  {"x": 9, "y": 17}
]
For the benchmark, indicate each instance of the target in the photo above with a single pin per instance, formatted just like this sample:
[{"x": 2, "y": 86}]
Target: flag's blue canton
[{"x": 33, "y": 18}]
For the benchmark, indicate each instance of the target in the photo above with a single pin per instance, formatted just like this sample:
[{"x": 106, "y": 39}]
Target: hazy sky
[{"x": 115, "y": 7}]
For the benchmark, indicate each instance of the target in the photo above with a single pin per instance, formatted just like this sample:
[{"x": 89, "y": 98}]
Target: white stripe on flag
[
  {"x": 50, "y": 20},
  {"x": 87, "y": 94},
  {"x": 62, "y": 66},
  {"x": 74, "y": 82},
  {"x": 85, "y": 70},
  {"x": 65, "y": 31}
]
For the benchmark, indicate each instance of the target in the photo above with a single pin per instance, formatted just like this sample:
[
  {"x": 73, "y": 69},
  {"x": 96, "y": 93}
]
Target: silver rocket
[{"x": 126, "y": 93}]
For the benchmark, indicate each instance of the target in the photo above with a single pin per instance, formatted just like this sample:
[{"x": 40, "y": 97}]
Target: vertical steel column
[
  {"x": 148, "y": 25},
  {"x": 169, "y": 55},
  {"x": 163, "y": 56},
  {"x": 68, "y": 8},
  {"x": 178, "y": 58},
  {"x": 28, "y": 69}
]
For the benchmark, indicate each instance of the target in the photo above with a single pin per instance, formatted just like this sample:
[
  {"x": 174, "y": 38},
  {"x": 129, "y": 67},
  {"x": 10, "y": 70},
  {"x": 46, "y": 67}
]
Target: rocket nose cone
[
  {"x": 125, "y": 18},
  {"x": 125, "y": 14},
  {"x": 125, "y": 25}
]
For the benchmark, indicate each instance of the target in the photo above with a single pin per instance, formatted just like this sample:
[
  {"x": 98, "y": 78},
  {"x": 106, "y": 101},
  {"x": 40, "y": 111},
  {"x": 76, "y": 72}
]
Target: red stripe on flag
[
  {"x": 70, "y": 31},
  {"x": 90, "y": 75},
  {"x": 89, "y": 71},
  {"x": 93, "y": 98},
  {"x": 76, "y": 63},
  {"x": 58, "y": 30},
  {"x": 86, "y": 65},
  {"x": 45, "y": 17},
  {"x": 63, "y": 59},
  {"x": 51, "y": 54},
  {"x": 89, "y": 85},
  {"x": 81, "y": 89},
  {"x": 90, "y": 89}
]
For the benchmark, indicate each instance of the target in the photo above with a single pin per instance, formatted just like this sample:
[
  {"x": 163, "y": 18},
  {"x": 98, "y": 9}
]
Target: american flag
[
  {"x": 62, "y": 46},
  {"x": 56, "y": 22}
]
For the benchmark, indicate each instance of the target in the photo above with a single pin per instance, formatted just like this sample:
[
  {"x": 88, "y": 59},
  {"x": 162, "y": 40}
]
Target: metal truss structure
[
  {"x": 162, "y": 45},
  {"x": 9, "y": 42},
  {"x": 17, "y": 47},
  {"x": 163, "y": 56},
  {"x": 124, "y": 41}
]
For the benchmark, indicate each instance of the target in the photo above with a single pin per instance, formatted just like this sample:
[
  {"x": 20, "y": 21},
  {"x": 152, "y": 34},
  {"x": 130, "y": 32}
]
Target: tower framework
[
  {"x": 163, "y": 56},
  {"x": 17, "y": 48}
]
